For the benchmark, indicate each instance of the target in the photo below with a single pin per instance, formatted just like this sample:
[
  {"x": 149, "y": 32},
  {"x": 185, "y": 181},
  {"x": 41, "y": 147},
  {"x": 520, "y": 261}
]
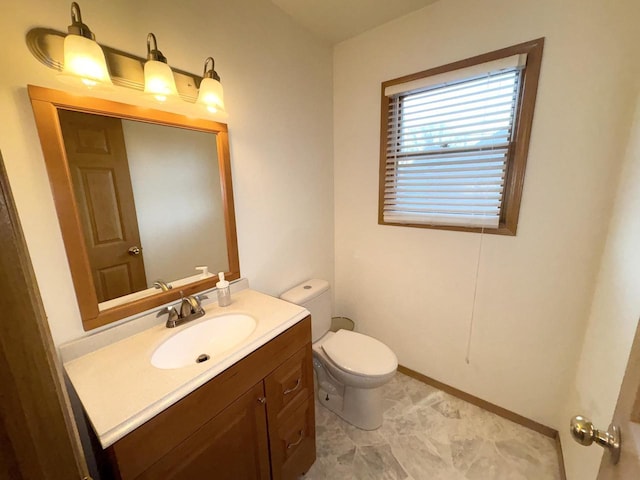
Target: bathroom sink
[{"x": 203, "y": 341}]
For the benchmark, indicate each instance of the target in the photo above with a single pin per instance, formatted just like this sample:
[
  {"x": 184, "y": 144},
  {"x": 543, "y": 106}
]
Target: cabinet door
[{"x": 231, "y": 446}]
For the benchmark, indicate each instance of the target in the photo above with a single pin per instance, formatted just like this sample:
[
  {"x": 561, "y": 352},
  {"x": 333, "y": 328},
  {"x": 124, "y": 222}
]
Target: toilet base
[{"x": 362, "y": 408}]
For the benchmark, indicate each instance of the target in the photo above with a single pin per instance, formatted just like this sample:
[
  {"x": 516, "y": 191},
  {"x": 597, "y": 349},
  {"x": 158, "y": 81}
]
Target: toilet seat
[{"x": 359, "y": 354}]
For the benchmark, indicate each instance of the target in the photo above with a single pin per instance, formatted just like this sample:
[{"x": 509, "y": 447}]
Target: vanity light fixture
[
  {"x": 210, "y": 95},
  {"x": 158, "y": 77},
  {"x": 79, "y": 60},
  {"x": 83, "y": 58}
]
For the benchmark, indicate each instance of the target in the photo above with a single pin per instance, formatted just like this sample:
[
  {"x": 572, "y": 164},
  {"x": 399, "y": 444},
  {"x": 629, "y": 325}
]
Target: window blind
[{"x": 447, "y": 148}]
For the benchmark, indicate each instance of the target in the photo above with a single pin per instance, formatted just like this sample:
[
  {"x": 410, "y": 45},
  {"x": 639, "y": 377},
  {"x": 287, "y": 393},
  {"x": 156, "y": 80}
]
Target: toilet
[{"x": 350, "y": 368}]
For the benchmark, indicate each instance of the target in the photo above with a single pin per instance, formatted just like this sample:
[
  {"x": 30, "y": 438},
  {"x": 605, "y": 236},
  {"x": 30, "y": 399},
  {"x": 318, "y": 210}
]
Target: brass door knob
[
  {"x": 585, "y": 434},
  {"x": 134, "y": 251}
]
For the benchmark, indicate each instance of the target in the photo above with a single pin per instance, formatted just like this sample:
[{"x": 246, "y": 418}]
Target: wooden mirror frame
[{"x": 45, "y": 103}]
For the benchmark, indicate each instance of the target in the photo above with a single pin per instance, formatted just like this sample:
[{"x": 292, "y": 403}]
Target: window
[{"x": 454, "y": 142}]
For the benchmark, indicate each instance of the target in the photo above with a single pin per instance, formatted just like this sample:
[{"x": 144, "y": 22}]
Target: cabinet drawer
[
  {"x": 290, "y": 383},
  {"x": 293, "y": 441}
]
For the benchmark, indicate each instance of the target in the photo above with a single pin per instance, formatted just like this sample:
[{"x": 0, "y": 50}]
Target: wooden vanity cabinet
[{"x": 255, "y": 420}]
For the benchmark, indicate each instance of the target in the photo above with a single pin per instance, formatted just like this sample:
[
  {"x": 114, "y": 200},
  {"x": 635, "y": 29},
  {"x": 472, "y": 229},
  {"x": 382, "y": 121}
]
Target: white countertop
[{"x": 120, "y": 389}]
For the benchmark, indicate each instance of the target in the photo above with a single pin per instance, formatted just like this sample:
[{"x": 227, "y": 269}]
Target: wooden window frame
[{"x": 518, "y": 149}]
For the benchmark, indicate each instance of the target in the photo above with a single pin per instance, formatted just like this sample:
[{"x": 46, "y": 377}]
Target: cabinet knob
[{"x": 262, "y": 400}]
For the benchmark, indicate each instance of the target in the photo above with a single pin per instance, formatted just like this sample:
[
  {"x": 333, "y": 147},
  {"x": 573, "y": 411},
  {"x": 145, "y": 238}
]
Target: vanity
[
  {"x": 247, "y": 412},
  {"x": 225, "y": 396}
]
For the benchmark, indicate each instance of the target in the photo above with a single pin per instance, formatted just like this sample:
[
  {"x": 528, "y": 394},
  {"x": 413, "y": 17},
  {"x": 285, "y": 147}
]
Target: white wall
[
  {"x": 277, "y": 82},
  {"x": 176, "y": 188},
  {"x": 413, "y": 288}
]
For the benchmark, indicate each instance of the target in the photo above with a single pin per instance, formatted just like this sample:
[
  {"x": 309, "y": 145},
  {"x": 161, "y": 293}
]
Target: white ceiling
[{"x": 337, "y": 20}]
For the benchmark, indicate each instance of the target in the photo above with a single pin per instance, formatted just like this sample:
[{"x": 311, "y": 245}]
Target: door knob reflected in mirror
[
  {"x": 585, "y": 434},
  {"x": 135, "y": 250}
]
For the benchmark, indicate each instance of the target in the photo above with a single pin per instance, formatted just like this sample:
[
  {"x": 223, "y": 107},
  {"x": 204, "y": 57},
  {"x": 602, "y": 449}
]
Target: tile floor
[{"x": 430, "y": 435}]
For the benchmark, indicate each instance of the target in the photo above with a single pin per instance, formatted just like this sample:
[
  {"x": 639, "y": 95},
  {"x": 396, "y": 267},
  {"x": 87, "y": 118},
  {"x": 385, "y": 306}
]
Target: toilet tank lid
[{"x": 306, "y": 291}]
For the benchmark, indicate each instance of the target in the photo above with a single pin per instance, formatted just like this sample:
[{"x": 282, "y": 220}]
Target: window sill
[{"x": 501, "y": 230}]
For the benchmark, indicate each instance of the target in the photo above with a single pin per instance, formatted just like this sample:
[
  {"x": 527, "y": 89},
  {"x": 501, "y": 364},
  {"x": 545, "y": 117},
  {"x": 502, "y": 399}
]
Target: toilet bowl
[{"x": 350, "y": 368}]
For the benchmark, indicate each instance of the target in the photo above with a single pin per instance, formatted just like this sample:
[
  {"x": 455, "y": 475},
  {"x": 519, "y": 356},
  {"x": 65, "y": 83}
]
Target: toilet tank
[{"x": 315, "y": 296}]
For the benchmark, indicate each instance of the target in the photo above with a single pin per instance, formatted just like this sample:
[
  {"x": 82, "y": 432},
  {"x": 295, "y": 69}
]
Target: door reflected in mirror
[{"x": 149, "y": 200}]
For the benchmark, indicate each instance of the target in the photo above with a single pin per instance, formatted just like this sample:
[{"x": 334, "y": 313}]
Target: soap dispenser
[{"x": 224, "y": 293}]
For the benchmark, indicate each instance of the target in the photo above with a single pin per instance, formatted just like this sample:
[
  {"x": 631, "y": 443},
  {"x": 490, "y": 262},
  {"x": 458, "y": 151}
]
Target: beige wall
[
  {"x": 277, "y": 82},
  {"x": 413, "y": 288}
]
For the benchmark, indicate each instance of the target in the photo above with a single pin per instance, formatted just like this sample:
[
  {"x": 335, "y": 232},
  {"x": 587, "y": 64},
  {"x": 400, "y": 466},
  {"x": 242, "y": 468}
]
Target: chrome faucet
[
  {"x": 190, "y": 309},
  {"x": 162, "y": 285}
]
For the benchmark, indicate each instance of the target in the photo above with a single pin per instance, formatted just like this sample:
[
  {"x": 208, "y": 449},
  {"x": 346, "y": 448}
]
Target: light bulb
[
  {"x": 84, "y": 61},
  {"x": 211, "y": 94},
  {"x": 158, "y": 76},
  {"x": 159, "y": 81}
]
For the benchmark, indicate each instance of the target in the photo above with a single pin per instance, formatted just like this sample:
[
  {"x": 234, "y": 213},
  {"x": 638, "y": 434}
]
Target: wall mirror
[{"x": 142, "y": 196}]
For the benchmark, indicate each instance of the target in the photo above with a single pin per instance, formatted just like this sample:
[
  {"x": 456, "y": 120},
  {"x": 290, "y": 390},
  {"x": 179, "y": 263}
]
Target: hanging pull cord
[{"x": 467, "y": 358}]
